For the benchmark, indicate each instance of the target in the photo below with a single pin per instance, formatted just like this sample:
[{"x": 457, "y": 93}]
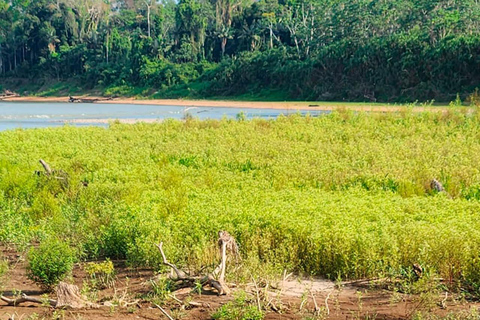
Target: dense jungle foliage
[
  {"x": 371, "y": 50},
  {"x": 345, "y": 195}
]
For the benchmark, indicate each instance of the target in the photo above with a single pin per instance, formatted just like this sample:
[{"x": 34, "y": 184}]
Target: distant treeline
[{"x": 373, "y": 50}]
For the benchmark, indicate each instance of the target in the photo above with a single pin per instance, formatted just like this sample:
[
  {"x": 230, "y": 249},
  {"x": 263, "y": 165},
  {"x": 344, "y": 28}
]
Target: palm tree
[
  {"x": 250, "y": 34},
  {"x": 224, "y": 34}
]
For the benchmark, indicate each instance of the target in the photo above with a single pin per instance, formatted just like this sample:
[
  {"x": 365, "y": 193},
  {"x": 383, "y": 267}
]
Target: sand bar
[
  {"x": 107, "y": 121},
  {"x": 289, "y": 105}
]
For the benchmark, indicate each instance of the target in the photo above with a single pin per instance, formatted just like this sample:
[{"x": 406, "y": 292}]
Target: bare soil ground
[{"x": 287, "y": 299}]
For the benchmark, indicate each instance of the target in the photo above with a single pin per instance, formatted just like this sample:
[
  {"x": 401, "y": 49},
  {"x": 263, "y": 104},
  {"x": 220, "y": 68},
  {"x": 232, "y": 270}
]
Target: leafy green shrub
[
  {"x": 239, "y": 309},
  {"x": 50, "y": 263}
]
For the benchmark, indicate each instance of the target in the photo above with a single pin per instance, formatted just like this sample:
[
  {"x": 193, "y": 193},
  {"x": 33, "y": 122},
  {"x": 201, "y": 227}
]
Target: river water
[{"x": 37, "y": 115}]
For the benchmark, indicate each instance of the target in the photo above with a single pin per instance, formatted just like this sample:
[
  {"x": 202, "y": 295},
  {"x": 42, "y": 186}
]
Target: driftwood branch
[
  {"x": 60, "y": 175},
  {"x": 257, "y": 294},
  {"x": 317, "y": 309},
  {"x": 24, "y": 298},
  {"x": 223, "y": 263},
  {"x": 437, "y": 185},
  {"x": 326, "y": 303},
  {"x": 68, "y": 296},
  {"x": 87, "y": 99},
  {"x": 180, "y": 274},
  {"x": 48, "y": 170},
  {"x": 189, "y": 303},
  {"x": 220, "y": 286},
  {"x": 226, "y": 243},
  {"x": 8, "y": 94},
  {"x": 164, "y": 312}
]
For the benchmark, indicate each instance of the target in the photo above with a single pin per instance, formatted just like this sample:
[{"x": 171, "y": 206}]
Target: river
[{"x": 41, "y": 114}]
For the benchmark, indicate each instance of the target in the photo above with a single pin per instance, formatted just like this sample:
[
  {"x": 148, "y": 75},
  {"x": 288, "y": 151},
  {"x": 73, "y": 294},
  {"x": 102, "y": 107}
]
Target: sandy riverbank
[
  {"x": 289, "y": 105},
  {"x": 107, "y": 121}
]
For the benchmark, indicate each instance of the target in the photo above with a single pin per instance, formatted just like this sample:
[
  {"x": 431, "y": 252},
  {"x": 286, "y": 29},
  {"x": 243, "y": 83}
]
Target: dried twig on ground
[
  {"x": 164, "y": 312},
  {"x": 326, "y": 303},
  {"x": 317, "y": 309}
]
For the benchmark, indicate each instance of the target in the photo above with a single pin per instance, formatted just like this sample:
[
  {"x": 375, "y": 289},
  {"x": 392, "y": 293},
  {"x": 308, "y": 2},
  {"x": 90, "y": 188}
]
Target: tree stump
[{"x": 68, "y": 296}]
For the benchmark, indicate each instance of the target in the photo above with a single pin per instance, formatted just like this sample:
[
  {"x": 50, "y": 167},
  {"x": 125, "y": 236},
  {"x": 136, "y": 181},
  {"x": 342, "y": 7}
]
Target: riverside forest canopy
[{"x": 358, "y": 50}]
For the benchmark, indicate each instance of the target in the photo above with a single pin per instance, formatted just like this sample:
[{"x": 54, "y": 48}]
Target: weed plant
[
  {"x": 3, "y": 271},
  {"x": 241, "y": 308},
  {"x": 101, "y": 274},
  {"x": 345, "y": 195}
]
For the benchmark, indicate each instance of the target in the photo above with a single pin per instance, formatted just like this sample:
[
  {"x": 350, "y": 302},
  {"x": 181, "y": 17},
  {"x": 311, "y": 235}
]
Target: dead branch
[
  {"x": 180, "y": 274},
  {"x": 317, "y": 309},
  {"x": 221, "y": 287},
  {"x": 326, "y": 303},
  {"x": 231, "y": 244},
  {"x": 55, "y": 174},
  {"x": 223, "y": 263},
  {"x": 257, "y": 295},
  {"x": 417, "y": 269},
  {"x": 226, "y": 242},
  {"x": 48, "y": 170},
  {"x": 176, "y": 299},
  {"x": 443, "y": 304},
  {"x": 303, "y": 303},
  {"x": 189, "y": 303},
  {"x": 198, "y": 304},
  {"x": 68, "y": 296},
  {"x": 286, "y": 276},
  {"x": 437, "y": 186},
  {"x": 24, "y": 298},
  {"x": 164, "y": 312}
]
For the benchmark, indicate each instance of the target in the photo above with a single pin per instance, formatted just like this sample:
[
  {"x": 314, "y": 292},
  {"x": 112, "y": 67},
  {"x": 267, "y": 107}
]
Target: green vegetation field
[{"x": 346, "y": 195}]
